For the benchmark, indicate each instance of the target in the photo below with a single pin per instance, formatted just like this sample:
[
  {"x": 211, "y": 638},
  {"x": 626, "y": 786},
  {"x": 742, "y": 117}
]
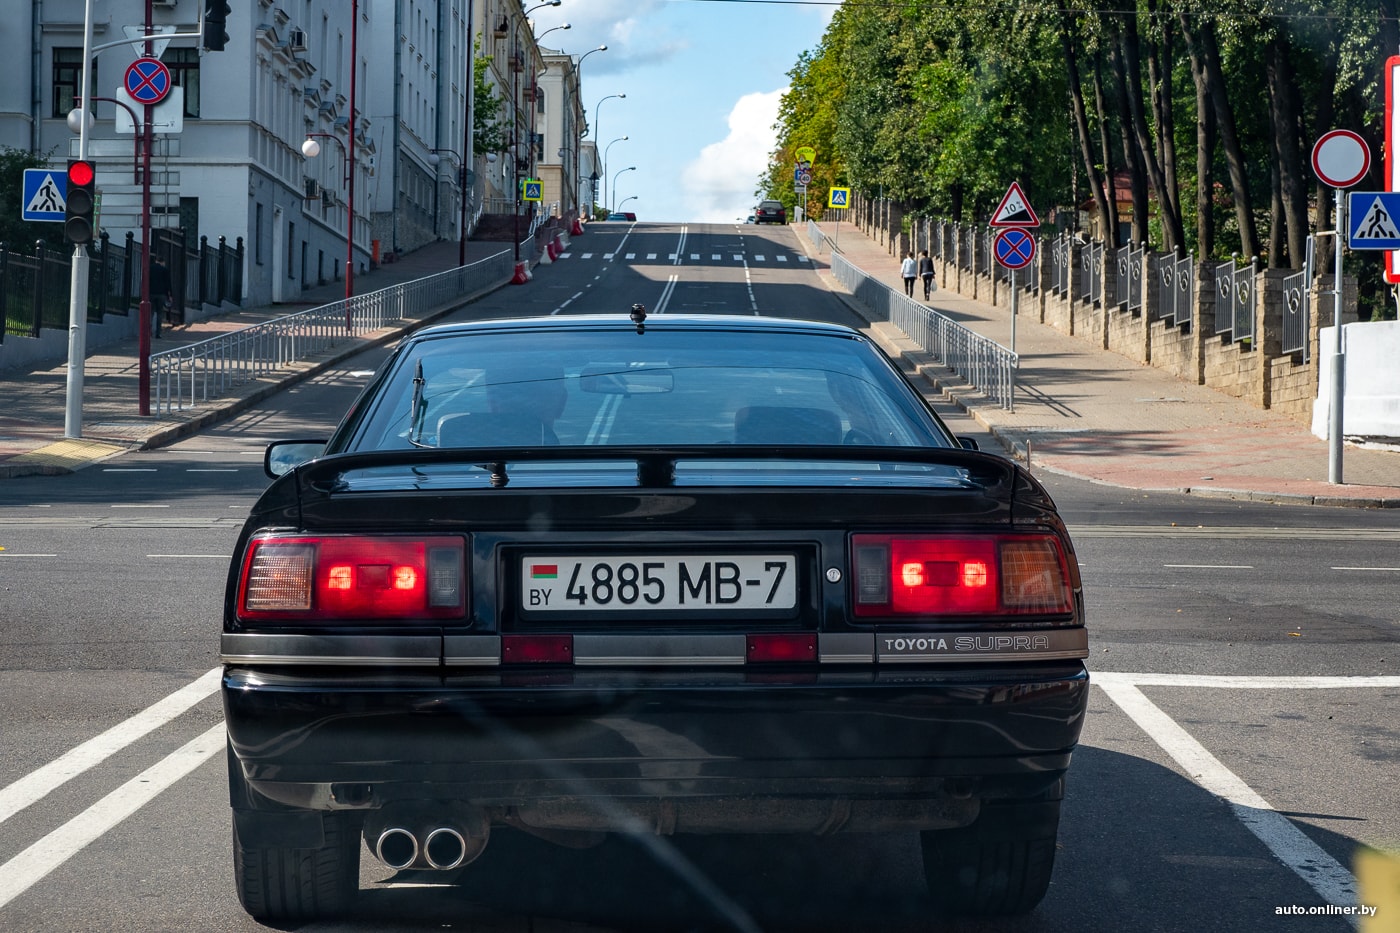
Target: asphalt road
[{"x": 1241, "y": 742}]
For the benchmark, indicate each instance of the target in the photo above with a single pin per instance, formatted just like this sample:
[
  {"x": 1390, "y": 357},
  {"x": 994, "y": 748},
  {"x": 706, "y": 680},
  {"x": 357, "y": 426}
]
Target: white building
[{"x": 228, "y": 160}]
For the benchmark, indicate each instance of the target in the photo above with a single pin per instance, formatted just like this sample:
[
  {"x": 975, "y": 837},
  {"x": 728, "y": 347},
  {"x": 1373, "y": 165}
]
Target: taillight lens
[
  {"x": 959, "y": 575},
  {"x": 352, "y": 578}
]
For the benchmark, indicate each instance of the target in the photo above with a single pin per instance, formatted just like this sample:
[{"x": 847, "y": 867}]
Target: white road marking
[
  {"x": 738, "y": 257},
  {"x": 13, "y": 554},
  {"x": 189, "y": 556},
  {"x": 758, "y": 259},
  {"x": 587, "y": 255},
  {"x": 631, "y": 256},
  {"x": 1366, "y": 569},
  {"x": 1244, "y": 681},
  {"x": 715, "y": 257},
  {"x": 140, "y": 505},
  {"x": 608, "y": 256},
  {"x": 35, "y": 785},
  {"x": 1210, "y": 566},
  {"x": 34, "y": 863},
  {"x": 666, "y": 293},
  {"x": 1333, "y": 883},
  {"x": 651, "y": 255},
  {"x": 694, "y": 256},
  {"x": 781, "y": 258},
  {"x": 128, "y": 469}
]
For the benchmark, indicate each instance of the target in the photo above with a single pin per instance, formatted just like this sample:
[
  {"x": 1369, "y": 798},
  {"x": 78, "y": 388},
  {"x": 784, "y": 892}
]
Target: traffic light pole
[{"x": 78, "y": 284}]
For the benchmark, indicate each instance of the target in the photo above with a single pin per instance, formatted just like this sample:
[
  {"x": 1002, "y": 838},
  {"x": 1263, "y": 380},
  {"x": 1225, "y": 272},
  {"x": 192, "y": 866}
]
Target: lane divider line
[
  {"x": 1309, "y": 861},
  {"x": 34, "y": 863},
  {"x": 37, "y": 784}
]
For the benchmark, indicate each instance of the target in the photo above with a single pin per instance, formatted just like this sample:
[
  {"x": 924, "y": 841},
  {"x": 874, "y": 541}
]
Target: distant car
[
  {"x": 749, "y": 220},
  {"x": 770, "y": 212},
  {"x": 669, "y": 574},
  {"x": 617, "y": 215}
]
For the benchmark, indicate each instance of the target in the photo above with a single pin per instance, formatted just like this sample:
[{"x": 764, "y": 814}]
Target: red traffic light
[{"x": 80, "y": 173}]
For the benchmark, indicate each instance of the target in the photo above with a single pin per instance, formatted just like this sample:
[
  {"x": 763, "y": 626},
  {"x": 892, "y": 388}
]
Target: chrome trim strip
[
  {"x": 472, "y": 650},
  {"x": 321, "y": 660},
  {"x": 335, "y": 650},
  {"x": 961, "y": 647},
  {"x": 846, "y": 647}
]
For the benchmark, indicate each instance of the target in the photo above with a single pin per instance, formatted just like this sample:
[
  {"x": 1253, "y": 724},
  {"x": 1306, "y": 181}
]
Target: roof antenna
[{"x": 639, "y": 316}]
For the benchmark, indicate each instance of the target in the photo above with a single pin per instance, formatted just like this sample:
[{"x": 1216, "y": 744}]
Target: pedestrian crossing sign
[
  {"x": 1373, "y": 219},
  {"x": 532, "y": 190},
  {"x": 45, "y": 195},
  {"x": 839, "y": 197}
]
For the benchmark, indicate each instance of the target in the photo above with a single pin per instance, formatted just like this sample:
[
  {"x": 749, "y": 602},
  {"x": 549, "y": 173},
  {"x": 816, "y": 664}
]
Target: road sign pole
[
  {"x": 78, "y": 287},
  {"x": 1011, "y": 381},
  {"x": 1334, "y": 422}
]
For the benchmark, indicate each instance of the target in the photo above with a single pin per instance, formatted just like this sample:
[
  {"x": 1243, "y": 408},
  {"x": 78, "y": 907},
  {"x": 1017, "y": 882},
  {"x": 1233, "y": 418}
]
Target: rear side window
[{"x": 613, "y": 388}]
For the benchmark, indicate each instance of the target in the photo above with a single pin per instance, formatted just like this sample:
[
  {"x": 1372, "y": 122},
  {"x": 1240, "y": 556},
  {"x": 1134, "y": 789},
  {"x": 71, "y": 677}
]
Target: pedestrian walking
[
  {"x": 926, "y": 272},
  {"x": 159, "y": 289},
  {"x": 908, "y": 269}
]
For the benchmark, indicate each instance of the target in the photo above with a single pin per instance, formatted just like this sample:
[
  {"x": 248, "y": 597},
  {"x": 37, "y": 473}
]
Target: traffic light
[
  {"x": 79, "y": 224},
  {"x": 216, "y": 24}
]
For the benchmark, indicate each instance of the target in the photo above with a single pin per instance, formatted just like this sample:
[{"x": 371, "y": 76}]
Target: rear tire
[
  {"x": 281, "y": 885},
  {"x": 998, "y": 866}
]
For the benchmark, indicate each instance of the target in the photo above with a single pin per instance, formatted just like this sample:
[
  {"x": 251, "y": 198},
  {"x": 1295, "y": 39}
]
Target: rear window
[
  {"x": 683, "y": 387},
  {"x": 771, "y": 205}
]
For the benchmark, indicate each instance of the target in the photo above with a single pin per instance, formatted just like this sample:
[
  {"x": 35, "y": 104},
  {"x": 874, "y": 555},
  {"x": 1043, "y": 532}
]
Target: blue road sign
[
  {"x": 838, "y": 197},
  {"x": 1373, "y": 219},
  {"x": 1015, "y": 248},
  {"x": 45, "y": 195}
]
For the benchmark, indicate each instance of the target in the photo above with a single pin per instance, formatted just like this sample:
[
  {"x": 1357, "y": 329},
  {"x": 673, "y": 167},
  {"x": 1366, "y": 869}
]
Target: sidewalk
[
  {"x": 1079, "y": 410},
  {"x": 1096, "y": 415},
  {"x": 35, "y": 401}
]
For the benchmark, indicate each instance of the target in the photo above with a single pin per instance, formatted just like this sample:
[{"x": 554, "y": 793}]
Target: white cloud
[{"x": 719, "y": 185}]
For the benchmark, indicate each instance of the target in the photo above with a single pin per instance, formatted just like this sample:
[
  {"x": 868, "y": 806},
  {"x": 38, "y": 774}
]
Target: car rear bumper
[{"x": 329, "y": 740}]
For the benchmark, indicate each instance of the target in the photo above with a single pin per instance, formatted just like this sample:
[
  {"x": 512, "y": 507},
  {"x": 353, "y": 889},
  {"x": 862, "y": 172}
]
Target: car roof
[{"x": 732, "y": 323}]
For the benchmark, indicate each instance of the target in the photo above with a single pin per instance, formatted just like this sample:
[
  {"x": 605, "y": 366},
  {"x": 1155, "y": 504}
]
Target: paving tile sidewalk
[
  {"x": 1091, "y": 413},
  {"x": 32, "y": 418}
]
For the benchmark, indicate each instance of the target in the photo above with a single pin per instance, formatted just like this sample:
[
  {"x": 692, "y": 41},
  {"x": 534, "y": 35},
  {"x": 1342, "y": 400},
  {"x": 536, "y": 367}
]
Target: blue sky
[{"x": 703, "y": 81}]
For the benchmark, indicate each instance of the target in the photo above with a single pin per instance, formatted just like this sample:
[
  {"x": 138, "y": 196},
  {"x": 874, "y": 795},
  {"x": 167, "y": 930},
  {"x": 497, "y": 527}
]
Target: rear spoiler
[{"x": 655, "y": 466}]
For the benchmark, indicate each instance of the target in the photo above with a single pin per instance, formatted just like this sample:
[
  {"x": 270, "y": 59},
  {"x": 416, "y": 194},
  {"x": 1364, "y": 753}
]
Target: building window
[
  {"x": 184, "y": 73},
  {"x": 258, "y": 234},
  {"x": 68, "y": 79}
]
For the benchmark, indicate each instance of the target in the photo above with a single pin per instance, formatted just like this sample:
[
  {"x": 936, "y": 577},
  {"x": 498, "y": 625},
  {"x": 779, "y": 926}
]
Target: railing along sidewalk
[
  {"x": 984, "y": 363},
  {"x": 190, "y": 375}
]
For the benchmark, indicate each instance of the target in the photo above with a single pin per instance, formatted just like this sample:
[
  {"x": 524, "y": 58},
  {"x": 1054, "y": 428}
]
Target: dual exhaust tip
[
  {"x": 450, "y": 840},
  {"x": 442, "y": 848}
]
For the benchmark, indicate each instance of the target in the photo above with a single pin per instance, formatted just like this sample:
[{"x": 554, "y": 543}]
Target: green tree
[{"x": 488, "y": 135}]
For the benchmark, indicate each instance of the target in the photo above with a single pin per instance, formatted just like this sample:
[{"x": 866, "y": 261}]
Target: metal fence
[
  {"x": 35, "y": 287},
  {"x": 1128, "y": 282},
  {"x": 1234, "y": 300},
  {"x": 1091, "y": 271},
  {"x": 983, "y": 363},
  {"x": 1174, "y": 287},
  {"x": 1297, "y": 307},
  {"x": 1061, "y": 253},
  {"x": 187, "y": 376}
]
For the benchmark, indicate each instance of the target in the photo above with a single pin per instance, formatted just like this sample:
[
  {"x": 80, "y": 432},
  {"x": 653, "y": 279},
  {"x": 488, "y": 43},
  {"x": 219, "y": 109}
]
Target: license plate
[{"x": 652, "y": 583}]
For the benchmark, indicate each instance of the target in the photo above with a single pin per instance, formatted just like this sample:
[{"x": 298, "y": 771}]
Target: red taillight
[
  {"x": 352, "y": 578},
  {"x": 537, "y": 649},
  {"x": 959, "y": 575},
  {"x": 779, "y": 647}
]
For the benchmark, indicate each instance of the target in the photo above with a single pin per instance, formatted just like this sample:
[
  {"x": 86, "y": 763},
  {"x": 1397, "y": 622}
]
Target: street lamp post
[
  {"x": 630, "y": 168},
  {"x": 578, "y": 155},
  {"x": 597, "y": 107},
  {"x": 632, "y": 197},
  {"x": 515, "y": 111},
  {"x": 433, "y": 160},
  {"x": 606, "y": 150}
]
